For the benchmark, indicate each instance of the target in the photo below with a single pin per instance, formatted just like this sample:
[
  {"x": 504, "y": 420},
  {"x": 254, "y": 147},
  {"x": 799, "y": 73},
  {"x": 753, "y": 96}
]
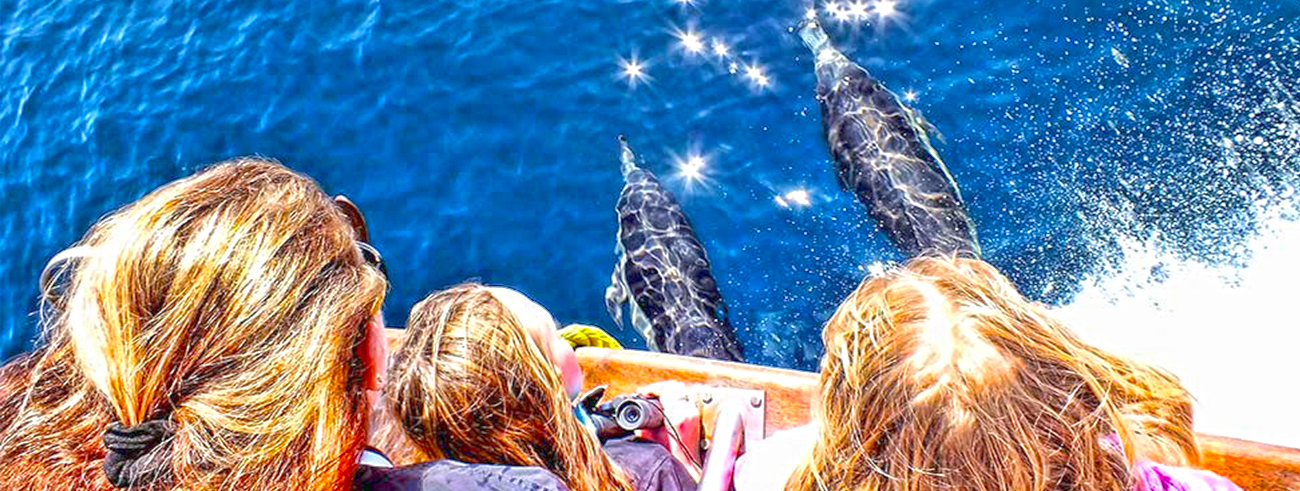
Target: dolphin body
[
  {"x": 883, "y": 155},
  {"x": 663, "y": 273}
]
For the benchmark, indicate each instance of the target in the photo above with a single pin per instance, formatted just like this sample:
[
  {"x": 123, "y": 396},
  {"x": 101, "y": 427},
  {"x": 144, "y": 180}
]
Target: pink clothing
[
  {"x": 768, "y": 467},
  {"x": 1158, "y": 477}
]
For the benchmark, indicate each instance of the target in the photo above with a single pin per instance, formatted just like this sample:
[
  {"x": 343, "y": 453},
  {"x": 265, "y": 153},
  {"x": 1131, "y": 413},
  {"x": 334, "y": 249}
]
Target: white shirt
[{"x": 768, "y": 466}]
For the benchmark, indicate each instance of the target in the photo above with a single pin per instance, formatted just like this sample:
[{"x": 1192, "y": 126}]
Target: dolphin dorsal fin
[
  {"x": 928, "y": 129},
  {"x": 626, "y": 158}
]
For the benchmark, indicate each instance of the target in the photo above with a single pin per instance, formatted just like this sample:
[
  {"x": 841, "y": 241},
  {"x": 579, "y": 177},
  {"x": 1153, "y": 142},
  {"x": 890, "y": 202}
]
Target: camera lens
[
  {"x": 638, "y": 414},
  {"x": 632, "y": 414}
]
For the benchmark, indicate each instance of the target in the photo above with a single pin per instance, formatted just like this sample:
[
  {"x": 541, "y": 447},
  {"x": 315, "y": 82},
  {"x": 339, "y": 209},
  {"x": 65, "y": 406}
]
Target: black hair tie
[{"x": 136, "y": 453}]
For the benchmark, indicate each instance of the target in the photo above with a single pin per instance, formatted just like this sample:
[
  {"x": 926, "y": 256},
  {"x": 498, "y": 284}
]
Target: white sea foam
[{"x": 1232, "y": 333}]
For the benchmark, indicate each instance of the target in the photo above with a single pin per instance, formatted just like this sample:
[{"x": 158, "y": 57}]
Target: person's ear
[
  {"x": 566, "y": 363},
  {"x": 374, "y": 353}
]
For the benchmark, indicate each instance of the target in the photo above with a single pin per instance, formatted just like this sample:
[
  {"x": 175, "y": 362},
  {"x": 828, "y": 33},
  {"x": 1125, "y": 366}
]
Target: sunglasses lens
[
  {"x": 358, "y": 222},
  {"x": 372, "y": 256}
]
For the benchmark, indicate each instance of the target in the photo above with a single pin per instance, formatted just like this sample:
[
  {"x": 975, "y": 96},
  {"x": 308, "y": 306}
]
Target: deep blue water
[{"x": 479, "y": 136}]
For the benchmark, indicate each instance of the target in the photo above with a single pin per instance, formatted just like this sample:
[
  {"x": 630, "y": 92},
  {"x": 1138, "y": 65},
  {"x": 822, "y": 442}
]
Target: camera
[{"x": 637, "y": 413}]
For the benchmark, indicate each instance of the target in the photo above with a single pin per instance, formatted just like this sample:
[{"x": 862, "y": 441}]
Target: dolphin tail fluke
[{"x": 626, "y": 157}]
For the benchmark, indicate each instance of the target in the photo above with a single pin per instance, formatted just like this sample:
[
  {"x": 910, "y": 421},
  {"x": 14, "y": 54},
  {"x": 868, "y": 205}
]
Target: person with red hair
[{"x": 939, "y": 375}]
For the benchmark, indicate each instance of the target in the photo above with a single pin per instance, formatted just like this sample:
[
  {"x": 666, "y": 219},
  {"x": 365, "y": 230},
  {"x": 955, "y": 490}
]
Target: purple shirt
[{"x": 447, "y": 475}]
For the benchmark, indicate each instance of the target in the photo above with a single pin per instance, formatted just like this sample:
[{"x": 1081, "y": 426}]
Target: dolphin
[
  {"x": 883, "y": 155},
  {"x": 663, "y": 273}
]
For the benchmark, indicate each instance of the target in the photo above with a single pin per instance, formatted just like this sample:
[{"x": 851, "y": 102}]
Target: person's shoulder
[
  {"x": 627, "y": 449},
  {"x": 447, "y": 475},
  {"x": 650, "y": 466}
]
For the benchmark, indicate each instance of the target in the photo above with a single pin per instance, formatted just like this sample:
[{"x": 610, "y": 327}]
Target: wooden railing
[{"x": 1253, "y": 466}]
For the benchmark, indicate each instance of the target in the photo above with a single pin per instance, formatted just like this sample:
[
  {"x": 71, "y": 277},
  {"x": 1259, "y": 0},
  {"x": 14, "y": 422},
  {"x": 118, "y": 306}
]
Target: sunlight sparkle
[
  {"x": 633, "y": 70},
  {"x": 692, "y": 169},
  {"x": 720, "y": 48},
  {"x": 692, "y": 42},
  {"x": 755, "y": 74},
  {"x": 838, "y": 12},
  {"x": 886, "y": 8},
  {"x": 857, "y": 10},
  {"x": 799, "y": 197}
]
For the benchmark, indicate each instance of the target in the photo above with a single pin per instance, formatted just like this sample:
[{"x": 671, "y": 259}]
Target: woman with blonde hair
[
  {"x": 482, "y": 377},
  {"x": 940, "y": 375},
  {"x": 223, "y": 332}
]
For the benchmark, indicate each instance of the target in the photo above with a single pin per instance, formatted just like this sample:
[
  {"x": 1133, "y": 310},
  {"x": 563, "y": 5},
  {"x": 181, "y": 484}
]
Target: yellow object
[{"x": 580, "y": 335}]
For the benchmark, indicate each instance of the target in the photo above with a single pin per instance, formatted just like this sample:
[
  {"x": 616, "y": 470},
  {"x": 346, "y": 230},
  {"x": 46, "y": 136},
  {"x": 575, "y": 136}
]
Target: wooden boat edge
[{"x": 1252, "y": 465}]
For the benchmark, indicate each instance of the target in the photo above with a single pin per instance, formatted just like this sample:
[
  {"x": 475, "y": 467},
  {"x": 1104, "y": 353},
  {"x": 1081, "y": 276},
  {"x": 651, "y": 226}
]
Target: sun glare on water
[
  {"x": 755, "y": 74},
  {"x": 797, "y": 198},
  {"x": 720, "y": 48},
  {"x": 856, "y": 12},
  {"x": 885, "y": 8},
  {"x": 633, "y": 71},
  {"x": 690, "y": 40},
  {"x": 692, "y": 169}
]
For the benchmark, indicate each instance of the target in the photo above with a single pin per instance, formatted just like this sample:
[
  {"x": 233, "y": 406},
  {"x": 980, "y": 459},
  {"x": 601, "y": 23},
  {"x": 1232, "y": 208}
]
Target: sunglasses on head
[{"x": 358, "y": 221}]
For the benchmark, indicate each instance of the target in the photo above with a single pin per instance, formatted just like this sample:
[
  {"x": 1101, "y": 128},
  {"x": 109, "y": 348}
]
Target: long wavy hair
[
  {"x": 469, "y": 384},
  {"x": 230, "y": 303},
  {"x": 940, "y": 375}
]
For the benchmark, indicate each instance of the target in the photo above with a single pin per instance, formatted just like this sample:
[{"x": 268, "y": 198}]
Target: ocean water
[{"x": 1132, "y": 162}]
